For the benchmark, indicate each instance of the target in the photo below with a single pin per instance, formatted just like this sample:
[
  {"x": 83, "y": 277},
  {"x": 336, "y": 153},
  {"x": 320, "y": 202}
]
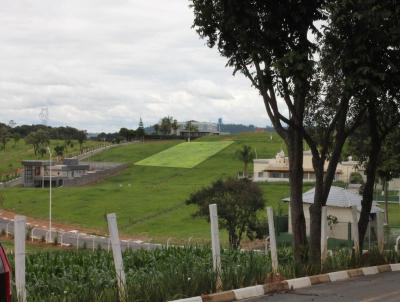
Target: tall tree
[
  {"x": 269, "y": 43},
  {"x": 39, "y": 139},
  {"x": 156, "y": 128},
  {"x": 389, "y": 164},
  {"x": 175, "y": 126},
  {"x": 5, "y": 136},
  {"x": 140, "y": 130},
  {"x": 245, "y": 155},
  {"x": 367, "y": 39},
  {"x": 166, "y": 125},
  {"x": 81, "y": 138},
  {"x": 124, "y": 132}
]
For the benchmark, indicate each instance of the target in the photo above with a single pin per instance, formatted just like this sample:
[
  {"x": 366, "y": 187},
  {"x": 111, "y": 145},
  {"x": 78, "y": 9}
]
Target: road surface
[{"x": 383, "y": 287}]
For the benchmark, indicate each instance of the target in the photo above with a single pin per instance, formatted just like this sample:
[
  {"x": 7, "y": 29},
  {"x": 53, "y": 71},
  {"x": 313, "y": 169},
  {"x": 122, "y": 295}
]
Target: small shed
[{"x": 339, "y": 203}]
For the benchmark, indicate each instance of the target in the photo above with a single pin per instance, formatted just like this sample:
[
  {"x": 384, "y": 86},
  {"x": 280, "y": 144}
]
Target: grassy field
[
  {"x": 185, "y": 155},
  {"x": 149, "y": 201},
  {"x": 10, "y": 160}
]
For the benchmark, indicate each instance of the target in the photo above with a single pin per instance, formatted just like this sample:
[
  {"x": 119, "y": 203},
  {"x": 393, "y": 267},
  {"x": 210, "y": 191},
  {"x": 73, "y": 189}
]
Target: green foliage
[
  {"x": 81, "y": 137},
  {"x": 166, "y": 125},
  {"x": 5, "y": 136},
  {"x": 356, "y": 178},
  {"x": 59, "y": 150},
  {"x": 159, "y": 275},
  {"x": 245, "y": 155},
  {"x": 165, "y": 274},
  {"x": 238, "y": 202},
  {"x": 39, "y": 140},
  {"x": 190, "y": 127}
]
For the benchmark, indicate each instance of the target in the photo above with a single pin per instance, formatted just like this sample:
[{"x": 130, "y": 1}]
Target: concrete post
[
  {"x": 117, "y": 254},
  {"x": 272, "y": 240},
  {"x": 354, "y": 228},
  {"x": 19, "y": 245},
  {"x": 216, "y": 252},
  {"x": 380, "y": 232},
  {"x": 324, "y": 234}
]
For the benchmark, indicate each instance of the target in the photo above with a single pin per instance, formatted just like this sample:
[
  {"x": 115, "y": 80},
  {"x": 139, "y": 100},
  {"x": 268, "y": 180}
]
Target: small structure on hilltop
[
  {"x": 70, "y": 172},
  {"x": 339, "y": 204},
  {"x": 196, "y": 129}
]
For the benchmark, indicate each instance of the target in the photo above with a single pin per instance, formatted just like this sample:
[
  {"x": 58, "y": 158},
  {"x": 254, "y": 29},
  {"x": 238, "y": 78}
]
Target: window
[
  {"x": 275, "y": 175},
  {"x": 260, "y": 174},
  {"x": 37, "y": 171}
]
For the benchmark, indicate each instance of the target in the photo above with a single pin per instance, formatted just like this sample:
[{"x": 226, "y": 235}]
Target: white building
[
  {"x": 277, "y": 169},
  {"x": 339, "y": 205}
]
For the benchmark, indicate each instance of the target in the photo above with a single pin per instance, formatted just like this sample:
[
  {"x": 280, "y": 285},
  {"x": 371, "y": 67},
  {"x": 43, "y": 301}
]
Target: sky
[{"x": 100, "y": 65}]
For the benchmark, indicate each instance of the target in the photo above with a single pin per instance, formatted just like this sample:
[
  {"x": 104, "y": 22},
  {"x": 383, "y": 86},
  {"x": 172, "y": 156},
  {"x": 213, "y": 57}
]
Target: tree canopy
[{"x": 238, "y": 202}]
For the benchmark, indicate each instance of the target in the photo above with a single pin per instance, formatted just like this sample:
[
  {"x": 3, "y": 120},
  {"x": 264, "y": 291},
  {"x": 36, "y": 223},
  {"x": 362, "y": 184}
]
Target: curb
[{"x": 292, "y": 284}]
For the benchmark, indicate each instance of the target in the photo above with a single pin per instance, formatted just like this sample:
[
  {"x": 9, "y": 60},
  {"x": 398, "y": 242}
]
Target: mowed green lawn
[
  {"x": 149, "y": 201},
  {"x": 11, "y": 158},
  {"x": 185, "y": 155}
]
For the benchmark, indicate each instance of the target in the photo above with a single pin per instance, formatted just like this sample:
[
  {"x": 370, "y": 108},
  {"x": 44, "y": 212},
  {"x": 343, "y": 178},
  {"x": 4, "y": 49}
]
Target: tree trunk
[
  {"x": 368, "y": 193},
  {"x": 323, "y": 181},
  {"x": 315, "y": 216},
  {"x": 385, "y": 188},
  {"x": 295, "y": 149},
  {"x": 245, "y": 170}
]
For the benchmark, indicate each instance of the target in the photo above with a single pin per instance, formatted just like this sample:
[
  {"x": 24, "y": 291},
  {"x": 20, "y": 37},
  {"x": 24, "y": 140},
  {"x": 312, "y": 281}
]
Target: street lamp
[{"x": 49, "y": 240}]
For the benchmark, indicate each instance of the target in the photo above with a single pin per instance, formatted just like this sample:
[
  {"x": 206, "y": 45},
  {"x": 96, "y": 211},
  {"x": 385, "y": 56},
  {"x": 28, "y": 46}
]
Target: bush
[
  {"x": 238, "y": 202},
  {"x": 356, "y": 178}
]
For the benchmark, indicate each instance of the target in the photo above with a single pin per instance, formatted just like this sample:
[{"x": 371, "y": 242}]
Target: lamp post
[{"x": 48, "y": 149}]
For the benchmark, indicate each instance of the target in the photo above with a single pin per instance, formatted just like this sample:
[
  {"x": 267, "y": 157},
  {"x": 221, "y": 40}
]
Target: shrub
[
  {"x": 356, "y": 178},
  {"x": 238, "y": 202}
]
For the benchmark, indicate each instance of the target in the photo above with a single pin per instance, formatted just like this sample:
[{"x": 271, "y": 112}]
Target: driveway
[{"x": 384, "y": 287}]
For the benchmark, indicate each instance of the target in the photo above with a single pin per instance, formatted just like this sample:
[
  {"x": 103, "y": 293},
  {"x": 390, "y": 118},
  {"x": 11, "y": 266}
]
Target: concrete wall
[
  {"x": 12, "y": 183},
  {"x": 338, "y": 231},
  {"x": 95, "y": 176}
]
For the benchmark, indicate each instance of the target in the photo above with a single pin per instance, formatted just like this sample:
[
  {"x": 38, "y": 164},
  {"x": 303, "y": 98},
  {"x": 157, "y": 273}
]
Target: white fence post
[
  {"x": 7, "y": 228},
  {"x": 77, "y": 241},
  {"x": 117, "y": 254},
  {"x": 354, "y": 228},
  {"x": 216, "y": 252},
  {"x": 272, "y": 240},
  {"x": 324, "y": 234},
  {"x": 19, "y": 242},
  {"x": 379, "y": 232}
]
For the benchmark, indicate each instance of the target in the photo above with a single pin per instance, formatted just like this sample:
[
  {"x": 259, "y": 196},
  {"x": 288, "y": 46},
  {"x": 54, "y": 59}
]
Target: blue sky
[{"x": 100, "y": 65}]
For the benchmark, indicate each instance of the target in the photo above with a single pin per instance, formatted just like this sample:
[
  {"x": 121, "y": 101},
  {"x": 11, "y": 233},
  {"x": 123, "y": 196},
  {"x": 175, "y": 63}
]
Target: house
[
  {"x": 37, "y": 172},
  {"x": 277, "y": 169},
  {"x": 339, "y": 204}
]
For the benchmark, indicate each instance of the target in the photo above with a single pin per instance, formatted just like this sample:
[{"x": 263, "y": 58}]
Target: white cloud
[{"x": 100, "y": 65}]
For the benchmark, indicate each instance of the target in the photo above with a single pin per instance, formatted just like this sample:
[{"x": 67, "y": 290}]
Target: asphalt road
[
  {"x": 76, "y": 239},
  {"x": 383, "y": 287}
]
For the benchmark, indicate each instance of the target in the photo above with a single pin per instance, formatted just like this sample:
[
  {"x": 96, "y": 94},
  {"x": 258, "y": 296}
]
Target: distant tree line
[
  {"x": 39, "y": 136},
  {"x": 237, "y": 128},
  {"x": 123, "y": 135}
]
